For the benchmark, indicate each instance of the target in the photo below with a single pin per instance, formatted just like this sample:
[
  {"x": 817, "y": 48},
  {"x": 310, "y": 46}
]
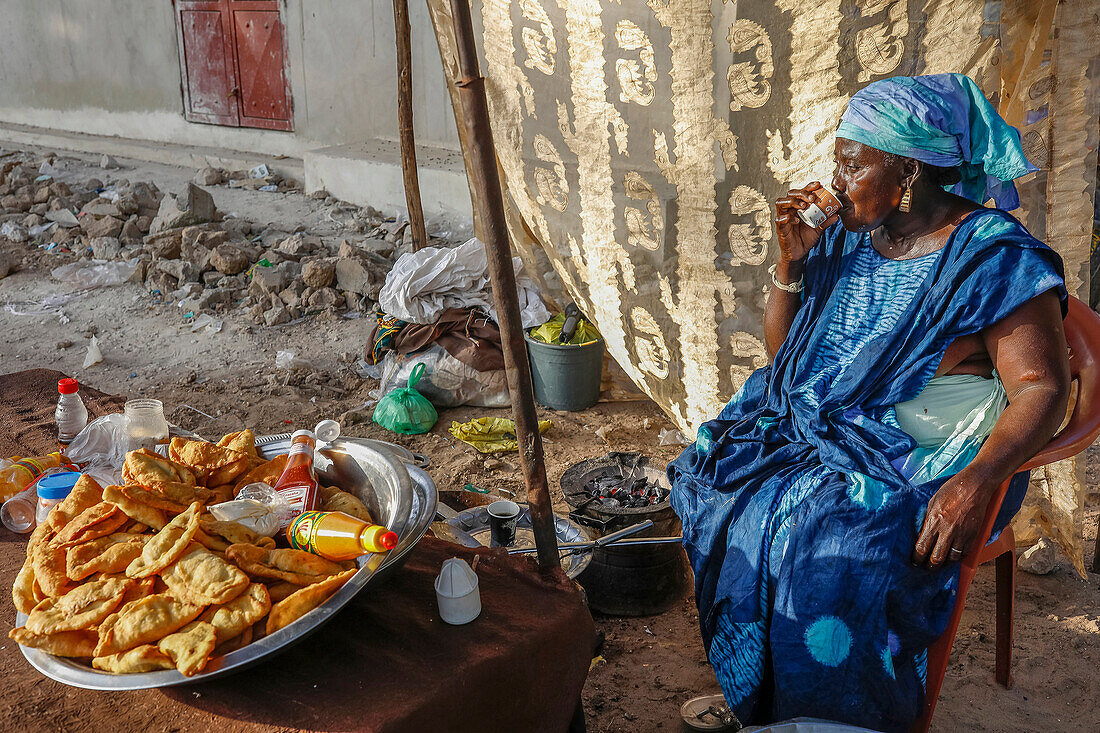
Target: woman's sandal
[{"x": 709, "y": 713}]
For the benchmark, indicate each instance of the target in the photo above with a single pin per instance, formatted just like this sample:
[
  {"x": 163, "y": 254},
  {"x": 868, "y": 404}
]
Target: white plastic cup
[{"x": 456, "y": 592}]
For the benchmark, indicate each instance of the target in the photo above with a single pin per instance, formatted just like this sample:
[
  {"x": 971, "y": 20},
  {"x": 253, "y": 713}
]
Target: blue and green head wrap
[{"x": 943, "y": 120}]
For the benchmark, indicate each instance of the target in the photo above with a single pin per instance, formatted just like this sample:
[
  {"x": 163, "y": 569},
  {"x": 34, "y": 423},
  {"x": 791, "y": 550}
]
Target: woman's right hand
[{"x": 796, "y": 237}]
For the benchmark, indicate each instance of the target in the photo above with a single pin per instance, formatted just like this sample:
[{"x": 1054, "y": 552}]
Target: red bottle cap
[
  {"x": 67, "y": 386},
  {"x": 388, "y": 540}
]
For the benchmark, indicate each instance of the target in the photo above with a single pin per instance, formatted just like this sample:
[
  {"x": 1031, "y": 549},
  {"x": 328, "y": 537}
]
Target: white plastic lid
[
  {"x": 456, "y": 579},
  {"x": 299, "y": 433},
  {"x": 327, "y": 431}
]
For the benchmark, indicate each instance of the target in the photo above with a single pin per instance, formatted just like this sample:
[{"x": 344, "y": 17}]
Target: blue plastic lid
[{"x": 57, "y": 485}]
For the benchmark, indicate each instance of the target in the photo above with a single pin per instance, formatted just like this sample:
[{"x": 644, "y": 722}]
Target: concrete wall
[{"x": 111, "y": 67}]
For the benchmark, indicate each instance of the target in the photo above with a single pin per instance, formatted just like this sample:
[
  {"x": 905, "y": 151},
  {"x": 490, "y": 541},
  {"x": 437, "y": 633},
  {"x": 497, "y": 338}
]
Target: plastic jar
[
  {"x": 145, "y": 424},
  {"x": 51, "y": 490}
]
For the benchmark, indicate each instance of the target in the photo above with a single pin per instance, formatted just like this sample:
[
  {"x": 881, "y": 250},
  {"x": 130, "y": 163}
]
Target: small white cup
[{"x": 456, "y": 592}]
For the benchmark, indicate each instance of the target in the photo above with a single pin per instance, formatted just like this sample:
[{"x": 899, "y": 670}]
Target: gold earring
[{"x": 906, "y": 200}]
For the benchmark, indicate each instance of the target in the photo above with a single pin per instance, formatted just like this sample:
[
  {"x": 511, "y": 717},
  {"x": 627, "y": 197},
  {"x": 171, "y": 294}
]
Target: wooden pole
[
  {"x": 490, "y": 202},
  {"x": 405, "y": 122}
]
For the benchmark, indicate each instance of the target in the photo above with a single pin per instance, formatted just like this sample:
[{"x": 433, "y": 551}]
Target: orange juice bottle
[
  {"x": 338, "y": 536},
  {"x": 298, "y": 482},
  {"x": 22, "y": 472}
]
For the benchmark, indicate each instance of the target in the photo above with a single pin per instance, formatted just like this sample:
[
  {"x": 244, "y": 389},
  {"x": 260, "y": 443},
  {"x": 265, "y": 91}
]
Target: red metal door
[
  {"x": 207, "y": 62},
  {"x": 232, "y": 58},
  {"x": 264, "y": 99}
]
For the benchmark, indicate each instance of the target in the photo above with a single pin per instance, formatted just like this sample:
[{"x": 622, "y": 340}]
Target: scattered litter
[
  {"x": 269, "y": 188},
  {"x": 207, "y": 323},
  {"x": 645, "y": 423},
  {"x": 603, "y": 432},
  {"x": 260, "y": 171},
  {"x": 1039, "y": 559},
  {"x": 491, "y": 434},
  {"x": 368, "y": 371},
  {"x": 290, "y": 360},
  {"x": 406, "y": 411},
  {"x": 262, "y": 263},
  {"x": 672, "y": 437},
  {"x": 49, "y": 304},
  {"x": 188, "y": 314},
  {"x": 646, "y": 629},
  {"x": 94, "y": 355},
  {"x": 40, "y": 229},
  {"x": 195, "y": 409},
  {"x": 110, "y": 194},
  {"x": 47, "y": 169},
  {"x": 94, "y": 274}
]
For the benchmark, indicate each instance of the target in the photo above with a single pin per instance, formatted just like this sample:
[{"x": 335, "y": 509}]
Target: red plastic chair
[{"x": 1082, "y": 327}]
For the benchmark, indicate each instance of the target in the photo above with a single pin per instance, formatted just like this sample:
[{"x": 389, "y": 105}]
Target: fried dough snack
[
  {"x": 233, "y": 532},
  {"x": 110, "y": 554},
  {"x": 143, "y": 621},
  {"x": 86, "y": 493},
  {"x": 204, "y": 578},
  {"x": 234, "y": 618},
  {"x": 48, "y": 561},
  {"x": 296, "y": 605},
  {"x": 170, "y": 496},
  {"x": 145, "y": 658},
  {"x": 167, "y": 545},
  {"x": 190, "y": 647},
  {"x": 335, "y": 500},
  {"x": 135, "y": 510},
  {"x": 80, "y": 608},
  {"x": 96, "y": 521},
  {"x": 243, "y": 441},
  {"x": 22, "y": 591},
  {"x": 145, "y": 467},
  {"x": 268, "y": 473},
  {"x": 213, "y": 464},
  {"x": 62, "y": 644},
  {"x": 294, "y": 566}
]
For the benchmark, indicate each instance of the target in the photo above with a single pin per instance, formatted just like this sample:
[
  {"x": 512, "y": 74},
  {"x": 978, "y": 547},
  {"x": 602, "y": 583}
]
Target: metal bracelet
[{"x": 795, "y": 287}]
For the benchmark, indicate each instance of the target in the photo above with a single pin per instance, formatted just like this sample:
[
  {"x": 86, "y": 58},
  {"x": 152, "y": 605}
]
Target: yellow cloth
[{"x": 491, "y": 434}]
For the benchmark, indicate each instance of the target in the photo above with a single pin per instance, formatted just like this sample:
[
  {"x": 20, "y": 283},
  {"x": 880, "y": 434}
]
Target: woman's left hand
[{"x": 952, "y": 522}]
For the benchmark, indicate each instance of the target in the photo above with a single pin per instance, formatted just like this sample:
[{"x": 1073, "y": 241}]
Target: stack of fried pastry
[{"x": 140, "y": 577}]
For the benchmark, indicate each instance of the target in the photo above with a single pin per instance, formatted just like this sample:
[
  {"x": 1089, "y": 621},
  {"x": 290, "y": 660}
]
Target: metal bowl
[
  {"x": 401, "y": 497},
  {"x": 475, "y": 523}
]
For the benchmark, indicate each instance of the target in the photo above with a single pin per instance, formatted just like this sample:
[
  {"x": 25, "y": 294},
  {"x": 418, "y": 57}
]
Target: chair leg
[{"x": 1006, "y": 594}]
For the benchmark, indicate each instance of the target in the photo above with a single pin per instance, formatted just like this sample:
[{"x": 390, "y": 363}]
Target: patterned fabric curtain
[{"x": 642, "y": 143}]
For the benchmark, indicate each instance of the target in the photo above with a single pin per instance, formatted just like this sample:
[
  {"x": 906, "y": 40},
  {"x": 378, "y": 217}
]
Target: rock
[
  {"x": 378, "y": 246},
  {"x": 14, "y": 232},
  {"x": 208, "y": 176},
  {"x": 212, "y": 278},
  {"x": 31, "y": 220},
  {"x": 141, "y": 269},
  {"x": 7, "y": 265},
  {"x": 42, "y": 195},
  {"x": 63, "y": 345},
  {"x": 191, "y": 206},
  {"x": 319, "y": 194},
  {"x": 106, "y": 248},
  {"x": 143, "y": 223},
  {"x": 60, "y": 188},
  {"x": 206, "y": 300},
  {"x": 101, "y": 207},
  {"x": 266, "y": 281},
  {"x": 17, "y": 203},
  {"x": 63, "y": 217},
  {"x": 127, "y": 205},
  {"x": 182, "y": 270},
  {"x": 324, "y": 298},
  {"x": 298, "y": 245},
  {"x": 146, "y": 194},
  {"x": 230, "y": 259},
  {"x": 1039, "y": 559},
  {"x": 276, "y": 315},
  {"x": 106, "y": 226},
  {"x": 361, "y": 275},
  {"x": 93, "y": 184},
  {"x": 319, "y": 273},
  {"x": 131, "y": 233},
  {"x": 162, "y": 281},
  {"x": 39, "y": 209},
  {"x": 107, "y": 162}
]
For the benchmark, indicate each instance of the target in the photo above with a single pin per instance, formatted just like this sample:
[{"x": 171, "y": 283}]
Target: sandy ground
[{"x": 217, "y": 382}]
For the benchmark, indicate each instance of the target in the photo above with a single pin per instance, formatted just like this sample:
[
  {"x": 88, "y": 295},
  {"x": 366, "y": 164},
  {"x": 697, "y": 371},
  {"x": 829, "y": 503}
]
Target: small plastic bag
[
  {"x": 102, "y": 442},
  {"x": 257, "y": 506},
  {"x": 404, "y": 410}
]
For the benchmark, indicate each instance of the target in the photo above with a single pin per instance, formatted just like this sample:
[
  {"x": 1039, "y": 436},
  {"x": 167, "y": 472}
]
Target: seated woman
[{"x": 918, "y": 360}]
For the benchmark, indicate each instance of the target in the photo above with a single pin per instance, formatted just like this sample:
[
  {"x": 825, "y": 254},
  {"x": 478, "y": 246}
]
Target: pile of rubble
[{"x": 187, "y": 253}]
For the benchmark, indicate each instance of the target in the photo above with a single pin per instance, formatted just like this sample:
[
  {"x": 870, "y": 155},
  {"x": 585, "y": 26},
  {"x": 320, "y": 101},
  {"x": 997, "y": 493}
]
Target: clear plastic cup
[{"x": 17, "y": 513}]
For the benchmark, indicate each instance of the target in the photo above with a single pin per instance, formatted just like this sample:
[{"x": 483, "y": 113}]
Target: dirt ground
[{"x": 214, "y": 383}]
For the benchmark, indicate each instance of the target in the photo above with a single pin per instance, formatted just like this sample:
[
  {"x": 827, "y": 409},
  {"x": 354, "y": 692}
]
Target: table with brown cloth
[{"x": 386, "y": 663}]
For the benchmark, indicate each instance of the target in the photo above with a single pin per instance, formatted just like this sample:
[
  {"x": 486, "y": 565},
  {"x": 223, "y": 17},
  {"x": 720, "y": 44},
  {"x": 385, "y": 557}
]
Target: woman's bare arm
[{"x": 1028, "y": 349}]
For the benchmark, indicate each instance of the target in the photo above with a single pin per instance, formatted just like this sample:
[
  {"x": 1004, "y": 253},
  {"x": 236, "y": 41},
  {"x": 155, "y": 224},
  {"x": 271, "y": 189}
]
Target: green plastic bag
[
  {"x": 549, "y": 332},
  {"x": 404, "y": 410}
]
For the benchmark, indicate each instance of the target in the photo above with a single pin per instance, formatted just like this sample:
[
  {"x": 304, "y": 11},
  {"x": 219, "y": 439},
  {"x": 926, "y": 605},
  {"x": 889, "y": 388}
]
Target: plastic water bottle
[
  {"x": 17, "y": 513},
  {"x": 71, "y": 415}
]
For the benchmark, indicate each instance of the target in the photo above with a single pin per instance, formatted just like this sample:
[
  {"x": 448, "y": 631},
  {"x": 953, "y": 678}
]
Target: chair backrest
[{"x": 1082, "y": 327}]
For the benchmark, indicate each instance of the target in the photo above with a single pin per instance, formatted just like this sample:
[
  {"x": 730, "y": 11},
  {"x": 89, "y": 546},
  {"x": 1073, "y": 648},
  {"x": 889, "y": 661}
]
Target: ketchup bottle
[
  {"x": 338, "y": 536},
  {"x": 298, "y": 482}
]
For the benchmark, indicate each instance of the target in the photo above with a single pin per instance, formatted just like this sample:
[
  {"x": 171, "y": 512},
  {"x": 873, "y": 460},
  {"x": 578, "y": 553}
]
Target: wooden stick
[
  {"x": 490, "y": 202},
  {"x": 405, "y": 123}
]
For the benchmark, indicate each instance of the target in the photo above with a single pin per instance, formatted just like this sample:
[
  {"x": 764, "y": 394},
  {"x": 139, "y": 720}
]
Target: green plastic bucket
[{"x": 566, "y": 377}]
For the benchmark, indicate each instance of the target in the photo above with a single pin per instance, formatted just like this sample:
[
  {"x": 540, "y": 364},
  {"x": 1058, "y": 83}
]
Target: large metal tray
[{"x": 403, "y": 497}]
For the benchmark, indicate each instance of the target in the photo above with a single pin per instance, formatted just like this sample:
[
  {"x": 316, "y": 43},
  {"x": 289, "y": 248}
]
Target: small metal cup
[
  {"x": 503, "y": 518},
  {"x": 826, "y": 205}
]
